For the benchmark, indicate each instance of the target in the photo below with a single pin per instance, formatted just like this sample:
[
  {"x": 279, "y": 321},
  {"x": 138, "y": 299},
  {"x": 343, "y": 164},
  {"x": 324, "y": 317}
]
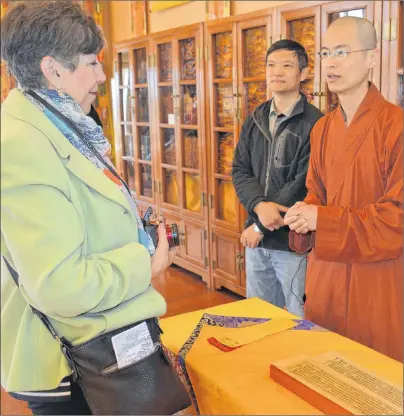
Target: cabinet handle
[
  {"x": 210, "y": 201},
  {"x": 388, "y": 30},
  {"x": 240, "y": 262},
  {"x": 207, "y": 53},
  {"x": 393, "y": 29},
  {"x": 204, "y": 198},
  {"x": 160, "y": 188}
]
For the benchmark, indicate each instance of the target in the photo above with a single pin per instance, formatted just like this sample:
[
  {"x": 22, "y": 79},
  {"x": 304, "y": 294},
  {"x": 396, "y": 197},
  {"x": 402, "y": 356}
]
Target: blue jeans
[{"x": 277, "y": 276}]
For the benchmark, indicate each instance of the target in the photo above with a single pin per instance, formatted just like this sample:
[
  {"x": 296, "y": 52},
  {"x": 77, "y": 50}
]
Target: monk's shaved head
[
  {"x": 364, "y": 29},
  {"x": 352, "y": 45}
]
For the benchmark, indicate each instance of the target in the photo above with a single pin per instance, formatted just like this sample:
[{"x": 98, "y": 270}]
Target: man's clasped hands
[{"x": 300, "y": 218}]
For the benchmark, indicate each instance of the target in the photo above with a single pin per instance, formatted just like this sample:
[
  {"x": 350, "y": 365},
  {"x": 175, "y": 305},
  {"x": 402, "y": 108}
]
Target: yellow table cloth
[{"x": 238, "y": 382}]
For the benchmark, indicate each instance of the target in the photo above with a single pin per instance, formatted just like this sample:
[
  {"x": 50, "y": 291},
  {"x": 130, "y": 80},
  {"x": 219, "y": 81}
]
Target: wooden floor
[{"x": 183, "y": 291}]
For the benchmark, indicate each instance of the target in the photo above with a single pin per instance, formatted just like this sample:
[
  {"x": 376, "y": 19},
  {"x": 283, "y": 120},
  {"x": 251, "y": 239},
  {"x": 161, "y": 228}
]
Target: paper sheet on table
[
  {"x": 236, "y": 337},
  {"x": 345, "y": 383}
]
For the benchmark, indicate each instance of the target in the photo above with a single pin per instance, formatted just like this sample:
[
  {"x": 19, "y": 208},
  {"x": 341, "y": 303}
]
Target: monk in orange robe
[{"x": 352, "y": 215}]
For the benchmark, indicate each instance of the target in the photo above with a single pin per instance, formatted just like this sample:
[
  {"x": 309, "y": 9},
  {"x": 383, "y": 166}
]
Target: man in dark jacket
[
  {"x": 269, "y": 173},
  {"x": 94, "y": 115}
]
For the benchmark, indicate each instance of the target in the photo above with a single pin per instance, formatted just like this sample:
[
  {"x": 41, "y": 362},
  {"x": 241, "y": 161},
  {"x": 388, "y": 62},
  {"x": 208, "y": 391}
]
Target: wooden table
[{"x": 238, "y": 382}]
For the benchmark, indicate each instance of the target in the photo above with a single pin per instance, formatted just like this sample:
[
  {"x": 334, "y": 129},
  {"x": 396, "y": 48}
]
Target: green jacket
[{"x": 68, "y": 231}]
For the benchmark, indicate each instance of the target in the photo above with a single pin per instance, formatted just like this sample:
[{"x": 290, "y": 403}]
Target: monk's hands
[
  {"x": 269, "y": 214},
  {"x": 302, "y": 218},
  {"x": 251, "y": 238}
]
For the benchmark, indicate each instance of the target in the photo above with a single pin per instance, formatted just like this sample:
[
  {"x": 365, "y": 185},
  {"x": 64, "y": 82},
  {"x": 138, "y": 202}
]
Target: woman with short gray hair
[{"x": 70, "y": 228}]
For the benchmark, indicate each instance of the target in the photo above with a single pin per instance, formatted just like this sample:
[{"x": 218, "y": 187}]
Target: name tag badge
[{"x": 132, "y": 345}]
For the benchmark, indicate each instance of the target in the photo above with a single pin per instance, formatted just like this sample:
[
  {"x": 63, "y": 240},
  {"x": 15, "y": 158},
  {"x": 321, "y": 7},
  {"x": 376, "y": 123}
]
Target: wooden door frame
[
  {"x": 210, "y": 31},
  {"x": 193, "y": 31},
  {"x": 286, "y": 14}
]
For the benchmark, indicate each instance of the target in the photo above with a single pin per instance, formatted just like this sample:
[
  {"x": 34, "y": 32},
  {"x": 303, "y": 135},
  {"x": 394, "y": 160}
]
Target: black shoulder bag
[{"x": 147, "y": 387}]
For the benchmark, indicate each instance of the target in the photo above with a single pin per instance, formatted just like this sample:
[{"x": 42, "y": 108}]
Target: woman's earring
[{"x": 62, "y": 95}]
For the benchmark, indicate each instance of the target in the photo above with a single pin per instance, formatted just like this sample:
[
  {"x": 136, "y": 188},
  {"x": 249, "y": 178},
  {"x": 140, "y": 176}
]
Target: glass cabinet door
[
  {"x": 189, "y": 68},
  {"x": 252, "y": 88},
  {"x": 136, "y": 158},
  {"x": 302, "y": 24},
  {"x": 144, "y": 168},
  {"x": 178, "y": 73},
  {"x": 166, "y": 115},
  {"x": 224, "y": 113},
  {"x": 125, "y": 87}
]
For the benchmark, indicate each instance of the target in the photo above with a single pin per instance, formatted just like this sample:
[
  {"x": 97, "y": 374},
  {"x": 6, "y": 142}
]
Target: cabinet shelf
[
  {"x": 223, "y": 177},
  {"x": 254, "y": 79},
  {"x": 165, "y": 84},
  {"x": 144, "y": 162},
  {"x": 169, "y": 167},
  {"x": 188, "y": 82},
  {"x": 191, "y": 171},
  {"x": 222, "y": 81},
  {"x": 223, "y": 129}
]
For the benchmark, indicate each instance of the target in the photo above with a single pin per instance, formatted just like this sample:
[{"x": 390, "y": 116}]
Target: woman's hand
[{"x": 163, "y": 257}]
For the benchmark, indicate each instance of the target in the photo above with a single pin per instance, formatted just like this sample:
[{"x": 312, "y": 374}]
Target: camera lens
[{"x": 172, "y": 235}]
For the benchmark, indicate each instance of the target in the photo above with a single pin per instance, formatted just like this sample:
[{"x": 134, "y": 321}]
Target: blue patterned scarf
[{"x": 95, "y": 135}]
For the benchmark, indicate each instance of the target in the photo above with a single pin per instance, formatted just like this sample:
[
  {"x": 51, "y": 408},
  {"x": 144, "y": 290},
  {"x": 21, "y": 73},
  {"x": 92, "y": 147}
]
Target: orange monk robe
[{"x": 354, "y": 283}]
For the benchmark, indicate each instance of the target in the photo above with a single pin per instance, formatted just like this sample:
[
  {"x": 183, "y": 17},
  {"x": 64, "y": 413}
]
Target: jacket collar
[
  {"x": 20, "y": 107},
  {"x": 261, "y": 114}
]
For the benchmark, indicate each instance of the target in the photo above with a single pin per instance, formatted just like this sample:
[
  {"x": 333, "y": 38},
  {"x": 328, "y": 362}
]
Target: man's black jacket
[{"x": 267, "y": 168}]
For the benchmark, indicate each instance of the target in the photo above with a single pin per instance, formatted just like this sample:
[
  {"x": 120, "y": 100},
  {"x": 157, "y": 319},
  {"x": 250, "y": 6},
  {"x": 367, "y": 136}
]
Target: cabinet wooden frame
[
  {"x": 193, "y": 253},
  {"x": 284, "y": 16},
  {"x": 225, "y": 233},
  {"x": 134, "y": 124}
]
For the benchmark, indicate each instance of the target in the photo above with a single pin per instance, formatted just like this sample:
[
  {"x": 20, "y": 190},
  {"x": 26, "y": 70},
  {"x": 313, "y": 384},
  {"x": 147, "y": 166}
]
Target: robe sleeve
[
  {"x": 371, "y": 234},
  {"x": 316, "y": 195}
]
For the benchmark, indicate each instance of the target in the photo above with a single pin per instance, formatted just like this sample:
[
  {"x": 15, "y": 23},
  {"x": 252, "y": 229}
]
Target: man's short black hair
[{"x": 293, "y": 46}]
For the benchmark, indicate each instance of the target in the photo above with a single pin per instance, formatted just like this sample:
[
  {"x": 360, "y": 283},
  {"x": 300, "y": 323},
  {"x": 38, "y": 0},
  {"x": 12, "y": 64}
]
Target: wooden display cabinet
[
  {"x": 134, "y": 150},
  {"x": 180, "y": 137},
  {"x": 302, "y": 24},
  {"x": 235, "y": 61}
]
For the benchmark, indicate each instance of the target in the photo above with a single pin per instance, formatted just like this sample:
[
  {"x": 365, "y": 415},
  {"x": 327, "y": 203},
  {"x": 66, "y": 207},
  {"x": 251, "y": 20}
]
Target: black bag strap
[
  {"x": 79, "y": 134},
  {"x": 44, "y": 319},
  {"x": 38, "y": 313}
]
